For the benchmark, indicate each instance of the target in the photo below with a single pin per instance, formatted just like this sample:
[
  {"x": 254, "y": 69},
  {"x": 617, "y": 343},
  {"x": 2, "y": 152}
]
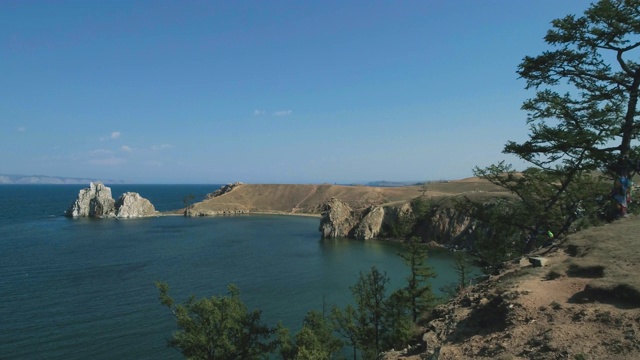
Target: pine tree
[
  {"x": 219, "y": 327},
  {"x": 418, "y": 292}
]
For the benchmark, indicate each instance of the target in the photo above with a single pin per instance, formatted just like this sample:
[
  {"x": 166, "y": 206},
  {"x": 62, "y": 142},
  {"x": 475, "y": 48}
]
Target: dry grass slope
[{"x": 307, "y": 199}]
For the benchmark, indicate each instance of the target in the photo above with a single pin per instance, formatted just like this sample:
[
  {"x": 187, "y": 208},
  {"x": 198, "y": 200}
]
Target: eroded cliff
[{"x": 442, "y": 224}]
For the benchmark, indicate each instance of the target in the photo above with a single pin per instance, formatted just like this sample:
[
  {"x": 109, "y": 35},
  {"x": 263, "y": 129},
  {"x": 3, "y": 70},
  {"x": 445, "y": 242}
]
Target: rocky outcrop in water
[
  {"x": 338, "y": 219},
  {"x": 96, "y": 201},
  {"x": 132, "y": 205}
]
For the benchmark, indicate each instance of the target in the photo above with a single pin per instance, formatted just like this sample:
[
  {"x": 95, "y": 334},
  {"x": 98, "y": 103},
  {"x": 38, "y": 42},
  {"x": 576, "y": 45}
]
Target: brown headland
[{"x": 306, "y": 199}]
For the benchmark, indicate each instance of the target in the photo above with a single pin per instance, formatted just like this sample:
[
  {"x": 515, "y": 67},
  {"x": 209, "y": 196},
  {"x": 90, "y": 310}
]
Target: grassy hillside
[{"x": 307, "y": 199}]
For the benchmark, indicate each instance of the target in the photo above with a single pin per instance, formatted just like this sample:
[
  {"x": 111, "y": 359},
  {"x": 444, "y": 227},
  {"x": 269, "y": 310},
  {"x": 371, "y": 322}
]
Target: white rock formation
[
  {"x": 94, "y": 201},
  {"x": 132, "y": 205}
]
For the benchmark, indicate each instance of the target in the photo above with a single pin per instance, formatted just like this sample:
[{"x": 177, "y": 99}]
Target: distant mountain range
[{"x": 42, "y": 179}]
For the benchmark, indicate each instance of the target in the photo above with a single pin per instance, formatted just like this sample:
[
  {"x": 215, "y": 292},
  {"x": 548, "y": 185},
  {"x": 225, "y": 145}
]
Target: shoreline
[{"x": 283, "y": 213}]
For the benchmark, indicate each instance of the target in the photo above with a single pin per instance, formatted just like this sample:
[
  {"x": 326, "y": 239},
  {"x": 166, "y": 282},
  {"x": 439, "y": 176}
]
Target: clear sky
[{"x": 265, "y": 91}]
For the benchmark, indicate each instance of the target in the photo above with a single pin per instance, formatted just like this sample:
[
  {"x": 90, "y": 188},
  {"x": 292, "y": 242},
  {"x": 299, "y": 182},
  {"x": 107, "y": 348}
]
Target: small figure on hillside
[{"x": 622, "y": 191}]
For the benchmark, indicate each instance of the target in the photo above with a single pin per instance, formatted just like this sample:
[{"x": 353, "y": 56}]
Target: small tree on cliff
[{"x": 590, "y": 126}]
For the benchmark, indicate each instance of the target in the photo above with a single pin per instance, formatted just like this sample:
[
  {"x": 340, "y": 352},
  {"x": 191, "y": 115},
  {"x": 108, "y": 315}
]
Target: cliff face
[
  {"x": 338, "y": 219},
  {"x": 444, "y": 225},
  {"x": 96, "y": 201},
  {"x": 449, "y": 227}
]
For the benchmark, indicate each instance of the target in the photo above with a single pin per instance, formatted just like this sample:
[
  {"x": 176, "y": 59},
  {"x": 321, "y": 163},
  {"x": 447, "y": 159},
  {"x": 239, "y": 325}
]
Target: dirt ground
[{"x": 583, "y": 304}]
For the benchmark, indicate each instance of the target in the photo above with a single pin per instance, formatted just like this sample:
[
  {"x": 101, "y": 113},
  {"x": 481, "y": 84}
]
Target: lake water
[{"x": 84, "y": 288}]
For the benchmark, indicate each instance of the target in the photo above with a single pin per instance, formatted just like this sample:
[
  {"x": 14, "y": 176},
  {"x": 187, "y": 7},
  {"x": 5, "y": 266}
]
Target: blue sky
[{"x": 265, "y": 91}]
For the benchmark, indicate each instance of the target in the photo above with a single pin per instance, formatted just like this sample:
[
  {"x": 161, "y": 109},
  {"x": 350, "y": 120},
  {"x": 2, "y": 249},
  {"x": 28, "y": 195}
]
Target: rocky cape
[
  {"x": 96, "y": 201},
  {"x": 360, "y": 212}
]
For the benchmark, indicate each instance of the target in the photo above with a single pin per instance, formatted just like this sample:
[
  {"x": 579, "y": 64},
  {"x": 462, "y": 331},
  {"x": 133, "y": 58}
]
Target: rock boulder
[
  {"x": 94, "y": 201},
  {"x": 132, "y": 205},
  {"x": 371, "y": 224},
  {"x": 337, "y": 219}
]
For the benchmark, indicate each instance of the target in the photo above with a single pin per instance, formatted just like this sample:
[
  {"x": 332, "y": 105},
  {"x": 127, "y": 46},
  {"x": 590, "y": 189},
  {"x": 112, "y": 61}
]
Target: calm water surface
[{"x": 84, "y": 288}]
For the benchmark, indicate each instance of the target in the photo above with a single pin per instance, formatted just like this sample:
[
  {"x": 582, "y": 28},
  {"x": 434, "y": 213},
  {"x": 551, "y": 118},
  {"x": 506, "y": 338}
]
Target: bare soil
[{"x": 584, "y": 304}]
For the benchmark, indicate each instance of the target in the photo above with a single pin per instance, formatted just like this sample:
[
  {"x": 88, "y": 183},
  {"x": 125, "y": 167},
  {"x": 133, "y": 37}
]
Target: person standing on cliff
[{"x": 622, "y": 189}]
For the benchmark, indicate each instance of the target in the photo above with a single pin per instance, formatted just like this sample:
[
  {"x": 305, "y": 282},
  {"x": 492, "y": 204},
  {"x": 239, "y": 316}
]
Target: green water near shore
[{"x": 84, "y": 288}]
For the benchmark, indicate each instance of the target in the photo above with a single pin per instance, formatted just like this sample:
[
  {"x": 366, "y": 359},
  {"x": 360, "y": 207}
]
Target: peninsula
[{"x": 301, "y": 199}]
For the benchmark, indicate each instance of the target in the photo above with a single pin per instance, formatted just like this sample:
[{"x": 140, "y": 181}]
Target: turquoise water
[{"x": 84, "y": 288}]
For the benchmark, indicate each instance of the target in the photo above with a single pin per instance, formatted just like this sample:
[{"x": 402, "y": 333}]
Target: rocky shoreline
[{"x": 355, "y": 212}]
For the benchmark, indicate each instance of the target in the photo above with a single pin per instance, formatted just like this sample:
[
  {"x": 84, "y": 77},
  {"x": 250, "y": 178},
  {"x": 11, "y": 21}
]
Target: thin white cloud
[
  {"x": 259, "y": 112},
  {"x": 126, "y": 148},
  {"x": 283, "y": 113},
  {"x": 114, "y": 135},
  {"x": 161, "y": 147},
  {"x": 21, "y": 129}
]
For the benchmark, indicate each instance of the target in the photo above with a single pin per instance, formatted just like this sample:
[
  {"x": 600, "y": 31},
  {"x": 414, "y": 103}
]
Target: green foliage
[
  {"x": 188, "y": 199},
  {"x": 421, "y": 208},
  {"x": 346, "y": 324},
  {"x": 589, "y": 127},
  {"x": 398, "y": 320},
  {"x": 462, "y": 267},
  {"x": 544, "y": 201},
  {"x": 424, "y": 188},
  {"x": 376, "y": 322},
  {"x": 405, "y": 223},
  {"x": 418, "y": 292},
  {"x": 218, "y": 327},
  {"x": 402, "y": 226},
  {"x": 597, "y": 117},
  {"x": 501, "y": 238},
  {"x": 370, "y": 296},
  {"x": 315, "y": 341}
]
